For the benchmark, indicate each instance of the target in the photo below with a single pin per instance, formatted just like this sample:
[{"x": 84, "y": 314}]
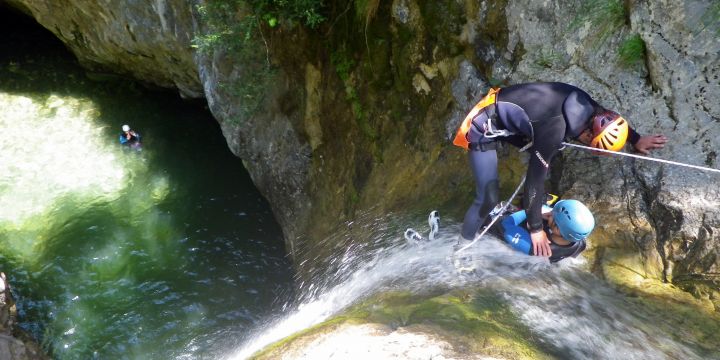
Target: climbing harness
[
  {"x": 641, "y": 157},
  {"x": 495, "y": 217},
  {"x": 490, "y": 129},
  {"x": 461, "y": 135}
]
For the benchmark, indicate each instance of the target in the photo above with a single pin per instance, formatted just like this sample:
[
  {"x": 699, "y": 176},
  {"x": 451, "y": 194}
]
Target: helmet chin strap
[{"x": 641, "y": 157}]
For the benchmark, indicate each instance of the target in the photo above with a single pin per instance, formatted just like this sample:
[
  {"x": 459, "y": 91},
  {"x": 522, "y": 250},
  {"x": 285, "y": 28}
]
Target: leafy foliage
[
  {"x": 236, "y": 28},
  {"x": 605, "y": 17},
  {"x": 235, "y": 23}
]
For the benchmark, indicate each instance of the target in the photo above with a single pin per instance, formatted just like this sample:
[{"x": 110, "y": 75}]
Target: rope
[
  {"x": 497, "y": 216},
  {"x": 642, "y": 157}
]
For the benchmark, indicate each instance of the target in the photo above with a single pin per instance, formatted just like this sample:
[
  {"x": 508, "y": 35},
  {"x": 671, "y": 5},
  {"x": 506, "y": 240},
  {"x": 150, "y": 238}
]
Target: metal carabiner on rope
[{"x": 490, "y": 133}]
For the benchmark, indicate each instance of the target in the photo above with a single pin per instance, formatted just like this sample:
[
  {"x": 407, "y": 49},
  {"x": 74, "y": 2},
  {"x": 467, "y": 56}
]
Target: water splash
[
  {"x": 581, "y": 316},
  {"x": 568, "y": 308}
]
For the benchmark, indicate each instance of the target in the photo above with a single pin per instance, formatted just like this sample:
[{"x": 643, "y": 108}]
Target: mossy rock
[
  {"x": 683, "y": 315},
  {"x": 462, "y": 324}
]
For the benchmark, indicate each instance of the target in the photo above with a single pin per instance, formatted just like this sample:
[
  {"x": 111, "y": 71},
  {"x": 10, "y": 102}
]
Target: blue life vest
[{"x": 512, "y": 228}]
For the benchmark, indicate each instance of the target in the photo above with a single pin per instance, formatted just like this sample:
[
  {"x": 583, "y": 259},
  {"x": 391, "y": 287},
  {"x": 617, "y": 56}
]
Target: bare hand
[
  {"x": 650, "y": 142},
  {"x": 541, "y": 244}
]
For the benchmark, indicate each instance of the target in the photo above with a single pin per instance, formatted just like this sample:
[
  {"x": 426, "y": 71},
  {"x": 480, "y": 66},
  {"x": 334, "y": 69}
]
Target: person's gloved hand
[
  {"x": 541, "y": 244},
  {"x": 650, "y": 142}
]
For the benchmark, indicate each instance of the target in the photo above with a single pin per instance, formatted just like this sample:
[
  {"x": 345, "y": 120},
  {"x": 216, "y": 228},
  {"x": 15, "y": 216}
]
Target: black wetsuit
[{"x": 545, "y": 114}]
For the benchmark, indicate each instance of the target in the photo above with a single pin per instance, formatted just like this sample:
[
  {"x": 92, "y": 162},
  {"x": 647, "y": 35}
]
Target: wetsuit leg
[{"x": 484, "y": 168}]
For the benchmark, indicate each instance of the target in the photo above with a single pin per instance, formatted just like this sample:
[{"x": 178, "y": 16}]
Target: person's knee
[{"x": 491, "y": 197}]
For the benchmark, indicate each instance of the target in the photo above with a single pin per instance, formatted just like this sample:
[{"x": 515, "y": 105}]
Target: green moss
[
  {"x": 632, "y": 51},
  {"x": 710, "y": 19},
  {"x": 476, "y": 321},
  {"x": 354, "y": 196},
  {"x": 365, "y": 10},
  {"x": 444, "y": 21},
  {"x": 678, "y": 312},
  {"x": 547, "y": 59},
  {"x": 344, "y": 66},
  {"x": 478, "y": 318},
  {"x": 604, "y": 16}
]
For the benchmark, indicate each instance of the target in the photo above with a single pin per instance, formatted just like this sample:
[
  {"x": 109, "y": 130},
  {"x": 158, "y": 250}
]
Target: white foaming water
[
  {"x": 573, "y": 311},
  {"x": 585, "y": 319}
]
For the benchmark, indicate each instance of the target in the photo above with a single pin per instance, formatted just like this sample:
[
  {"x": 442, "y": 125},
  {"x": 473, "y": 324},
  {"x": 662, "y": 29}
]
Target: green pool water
[{"x": 168, "y": 252}]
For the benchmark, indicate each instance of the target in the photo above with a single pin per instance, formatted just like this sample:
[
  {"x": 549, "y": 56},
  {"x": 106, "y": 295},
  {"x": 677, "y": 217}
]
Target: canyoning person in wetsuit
[
  {"x": 566, "y": 223},
  {"x": 537, "y": 117},
  {"x": 129, "y": 137}
]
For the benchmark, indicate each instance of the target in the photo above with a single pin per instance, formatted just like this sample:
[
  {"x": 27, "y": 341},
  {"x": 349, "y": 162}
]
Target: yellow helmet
[{"x": 610, "y": 131}]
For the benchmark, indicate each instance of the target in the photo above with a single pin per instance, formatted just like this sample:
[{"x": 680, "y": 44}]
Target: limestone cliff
[
  {"x": 150, "y": 41},
  {"x": 356, "y": 119}
]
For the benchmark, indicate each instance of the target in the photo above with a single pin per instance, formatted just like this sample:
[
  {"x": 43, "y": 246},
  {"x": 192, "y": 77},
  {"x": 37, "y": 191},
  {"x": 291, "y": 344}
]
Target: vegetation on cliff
[{"x": 237, "y": 27}]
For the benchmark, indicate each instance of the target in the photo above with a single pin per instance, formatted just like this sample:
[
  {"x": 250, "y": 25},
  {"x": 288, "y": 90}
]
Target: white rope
[
  {"x": 642, "y": 157},
  {"x": 497, "y": 216}
]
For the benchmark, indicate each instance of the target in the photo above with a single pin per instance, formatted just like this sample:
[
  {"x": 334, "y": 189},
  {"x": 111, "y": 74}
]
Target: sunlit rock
[{"x": 463, "y": 325}]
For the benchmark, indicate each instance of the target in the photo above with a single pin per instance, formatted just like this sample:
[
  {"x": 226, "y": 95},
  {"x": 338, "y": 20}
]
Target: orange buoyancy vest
[{"x": 461, "y": 136}]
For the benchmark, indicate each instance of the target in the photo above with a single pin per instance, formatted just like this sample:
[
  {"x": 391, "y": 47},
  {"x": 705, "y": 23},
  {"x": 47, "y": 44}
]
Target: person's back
[{"x": 562, "y": 107}]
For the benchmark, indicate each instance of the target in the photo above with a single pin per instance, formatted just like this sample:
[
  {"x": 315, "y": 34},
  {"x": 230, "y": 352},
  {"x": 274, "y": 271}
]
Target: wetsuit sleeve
[
  {"x": 633, "y": 136},
  {"x": 123, "y": 140},
  {"x": 547, "y": 138}
]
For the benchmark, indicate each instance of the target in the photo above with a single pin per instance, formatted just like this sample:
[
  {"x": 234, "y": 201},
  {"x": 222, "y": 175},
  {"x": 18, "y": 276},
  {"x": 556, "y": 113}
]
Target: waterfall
[{"x": 565, "y": 306}]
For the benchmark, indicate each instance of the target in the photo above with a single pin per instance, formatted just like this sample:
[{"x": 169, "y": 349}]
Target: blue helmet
[{"x": 574, "y": 220}]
